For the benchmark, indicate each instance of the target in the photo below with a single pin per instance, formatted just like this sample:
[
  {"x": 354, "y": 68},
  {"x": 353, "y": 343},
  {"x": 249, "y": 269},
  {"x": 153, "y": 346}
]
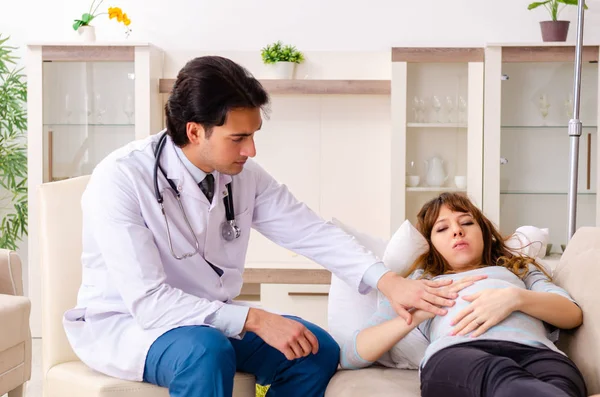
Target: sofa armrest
[
  {"x": 11, "y": 273},
  {"x": 14, "y": 317},
  {"x": 579, "y": 273}
]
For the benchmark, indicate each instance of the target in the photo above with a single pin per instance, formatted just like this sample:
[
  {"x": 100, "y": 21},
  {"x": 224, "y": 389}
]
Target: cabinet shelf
[
  {"x": 312, "y": 87},
  {"x": 434, "y": 189},
  {"x": 436, "y": 125},
  {"x": 543, "y": 193},
  {"x": 86, "y": 125},
  {"x": 544, "y": 127}
]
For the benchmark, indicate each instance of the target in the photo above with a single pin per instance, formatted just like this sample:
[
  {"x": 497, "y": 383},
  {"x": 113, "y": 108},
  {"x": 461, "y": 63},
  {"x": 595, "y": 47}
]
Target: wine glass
[
  {"x": 423, "y": 110},
  {"x": 411, "y": 168},
  {"x": 128, "y": 108},
  {"x": 68, "y": 110},
  {"x": 416, "y": 109},
  {"x": 88, "y": 106},
  {"x": 100, "y": 109},
  {"x": 462, "y": 109},
  {"x": 437, "y": 106},
  {"x": 544, "y": 106},
  {"x": 450, "y": 107},
  {"x": 569, "y": 106}
]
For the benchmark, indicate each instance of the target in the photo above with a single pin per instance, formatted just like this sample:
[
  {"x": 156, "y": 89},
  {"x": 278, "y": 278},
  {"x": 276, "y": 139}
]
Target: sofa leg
[{"x": 18, "y": 392}]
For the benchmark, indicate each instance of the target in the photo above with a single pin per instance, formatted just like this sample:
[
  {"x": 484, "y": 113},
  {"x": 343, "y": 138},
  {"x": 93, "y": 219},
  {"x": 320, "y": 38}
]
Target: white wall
[{"x": 309, "y": 24}]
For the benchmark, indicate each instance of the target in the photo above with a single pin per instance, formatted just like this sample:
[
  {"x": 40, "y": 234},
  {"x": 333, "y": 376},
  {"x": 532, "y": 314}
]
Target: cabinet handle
[
  {"x": 50, "y": 154},
  {"x": 308, "y": 293},
  {"x": 589, "y": 160},
  {"x": 503, "y": 160}
]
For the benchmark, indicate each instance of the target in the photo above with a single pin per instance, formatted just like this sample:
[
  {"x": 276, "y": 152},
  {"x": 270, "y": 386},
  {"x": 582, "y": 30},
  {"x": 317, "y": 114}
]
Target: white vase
[
  {"x": 283, "y": 70},
  {"x": 87, "y": 33}
]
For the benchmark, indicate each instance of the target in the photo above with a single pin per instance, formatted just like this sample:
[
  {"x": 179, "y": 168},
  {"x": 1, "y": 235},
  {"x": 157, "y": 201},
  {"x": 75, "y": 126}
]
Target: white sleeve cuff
[
  {"x": 231, "y": 319},
  {"x": 372, "y": 276}
]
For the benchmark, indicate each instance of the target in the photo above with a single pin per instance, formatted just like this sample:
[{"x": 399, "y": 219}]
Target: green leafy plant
[
  {"x": 13, "y": 151},
  {"x": 278, "y": 52},
  {"x": 554, "y": 7}
]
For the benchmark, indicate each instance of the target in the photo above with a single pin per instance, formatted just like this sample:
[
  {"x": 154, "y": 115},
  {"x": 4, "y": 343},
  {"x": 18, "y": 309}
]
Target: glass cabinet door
[
  {"x": 88, "y": 111},
  {"x": 438, "y": 131},
  {"x": 537, "y": 104}
]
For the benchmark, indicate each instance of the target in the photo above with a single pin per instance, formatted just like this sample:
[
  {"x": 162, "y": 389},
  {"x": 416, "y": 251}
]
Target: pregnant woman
[{"x": 495, "y": 340}]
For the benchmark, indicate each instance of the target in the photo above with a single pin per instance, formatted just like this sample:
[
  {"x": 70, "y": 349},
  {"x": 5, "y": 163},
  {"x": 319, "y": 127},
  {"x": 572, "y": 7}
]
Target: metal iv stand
[{"x": 575, "y": 125}]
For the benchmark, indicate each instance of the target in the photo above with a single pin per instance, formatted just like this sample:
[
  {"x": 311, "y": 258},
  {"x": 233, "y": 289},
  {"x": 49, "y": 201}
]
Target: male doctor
[{"x": 156, "y": 299}]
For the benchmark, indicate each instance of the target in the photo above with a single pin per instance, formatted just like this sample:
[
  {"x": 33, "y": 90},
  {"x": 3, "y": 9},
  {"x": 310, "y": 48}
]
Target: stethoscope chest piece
[{"x": 229, "y": 230}]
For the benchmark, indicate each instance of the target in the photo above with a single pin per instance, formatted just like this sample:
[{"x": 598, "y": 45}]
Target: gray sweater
[{"x": 517, "y": 327}]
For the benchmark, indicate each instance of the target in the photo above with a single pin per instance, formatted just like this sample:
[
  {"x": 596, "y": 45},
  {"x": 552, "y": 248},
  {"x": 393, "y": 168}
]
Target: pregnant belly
[{"x": 517, "y": 324}]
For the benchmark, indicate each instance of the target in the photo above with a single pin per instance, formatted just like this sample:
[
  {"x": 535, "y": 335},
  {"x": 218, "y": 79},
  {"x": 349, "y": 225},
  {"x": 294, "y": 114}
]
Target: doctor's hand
[
  {"x": 290, "y": 337},
  {"x": 427, "y": 295}
]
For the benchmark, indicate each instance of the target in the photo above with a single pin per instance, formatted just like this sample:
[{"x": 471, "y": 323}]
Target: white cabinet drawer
[{"x": 307, "y": 301}]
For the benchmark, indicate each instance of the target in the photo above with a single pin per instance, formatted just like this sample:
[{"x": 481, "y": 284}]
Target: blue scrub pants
[{"x": 199, "y": 361}]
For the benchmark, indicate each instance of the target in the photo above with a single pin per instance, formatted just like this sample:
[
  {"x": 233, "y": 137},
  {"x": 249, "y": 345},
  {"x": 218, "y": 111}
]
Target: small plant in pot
[
  {"x": 554, "y": 29},
  {"x": 282, "y": 58}
]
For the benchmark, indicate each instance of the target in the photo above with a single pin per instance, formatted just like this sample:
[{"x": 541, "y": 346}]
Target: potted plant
[
  {"x": 282, "y": 58},
  {"x": 554, "y": 30},
  {"x": 88, "y": 32},
  {"x": 13, "y": 151}
]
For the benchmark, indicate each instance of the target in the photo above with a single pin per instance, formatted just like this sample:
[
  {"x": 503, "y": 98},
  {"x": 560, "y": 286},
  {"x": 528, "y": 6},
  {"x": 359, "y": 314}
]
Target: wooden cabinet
[{"x": 307, "y": 301}]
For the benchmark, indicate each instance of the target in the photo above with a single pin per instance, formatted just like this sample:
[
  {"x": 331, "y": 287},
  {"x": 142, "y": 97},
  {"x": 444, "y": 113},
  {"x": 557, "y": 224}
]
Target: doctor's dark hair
[{"x": 205, "y": 90}]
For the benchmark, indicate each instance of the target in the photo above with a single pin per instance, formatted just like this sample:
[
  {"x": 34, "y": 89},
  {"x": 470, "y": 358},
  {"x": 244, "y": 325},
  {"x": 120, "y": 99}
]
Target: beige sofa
[
  {"x": 64, "y": 374},
  {"x": 15, "y": 335},
  {"x": 578, "y": 272}
]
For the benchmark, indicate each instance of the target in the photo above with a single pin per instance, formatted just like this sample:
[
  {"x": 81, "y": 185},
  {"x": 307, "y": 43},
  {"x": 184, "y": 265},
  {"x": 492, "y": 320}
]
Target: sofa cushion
[
  {"x": 579, "y": 273},
  {"x": 75, "y": 379},
  {"x": 374, "y": 381}
]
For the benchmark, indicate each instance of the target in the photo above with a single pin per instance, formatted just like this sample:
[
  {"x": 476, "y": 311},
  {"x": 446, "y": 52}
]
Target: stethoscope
[{"x": 229, "y": 229}]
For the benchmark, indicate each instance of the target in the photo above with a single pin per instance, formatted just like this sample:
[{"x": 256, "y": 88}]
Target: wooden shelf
[
  {"x": 88, "y": 53},
  {"x": 435, "y": 125},
  {"x": 555, "y": 53},
  {"x": 287, "y": 276},
  {"x": 312, "y": 87},
  {"x": 441, "y": 54},
  {"x": 434, "y": 189},
  {"x": 544, "y": 193}
]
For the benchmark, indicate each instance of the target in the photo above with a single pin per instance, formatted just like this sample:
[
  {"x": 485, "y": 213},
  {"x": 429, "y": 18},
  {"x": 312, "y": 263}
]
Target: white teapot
[{"x": 436, "y": 175}]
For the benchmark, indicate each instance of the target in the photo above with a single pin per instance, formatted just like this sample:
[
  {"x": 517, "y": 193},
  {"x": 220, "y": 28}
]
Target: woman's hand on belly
[{"x": 487, "y": 308}]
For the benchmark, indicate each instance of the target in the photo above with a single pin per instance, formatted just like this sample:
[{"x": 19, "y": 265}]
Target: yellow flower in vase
[{"x": 113, "y": 13}]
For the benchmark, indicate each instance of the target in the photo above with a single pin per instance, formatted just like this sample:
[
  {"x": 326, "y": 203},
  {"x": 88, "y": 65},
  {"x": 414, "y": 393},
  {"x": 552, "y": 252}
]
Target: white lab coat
[{"x": 133, "y": 290}]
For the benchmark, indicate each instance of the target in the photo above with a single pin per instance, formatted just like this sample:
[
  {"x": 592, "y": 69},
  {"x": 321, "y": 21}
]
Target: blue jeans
[{"x": 198, "y": 361}]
